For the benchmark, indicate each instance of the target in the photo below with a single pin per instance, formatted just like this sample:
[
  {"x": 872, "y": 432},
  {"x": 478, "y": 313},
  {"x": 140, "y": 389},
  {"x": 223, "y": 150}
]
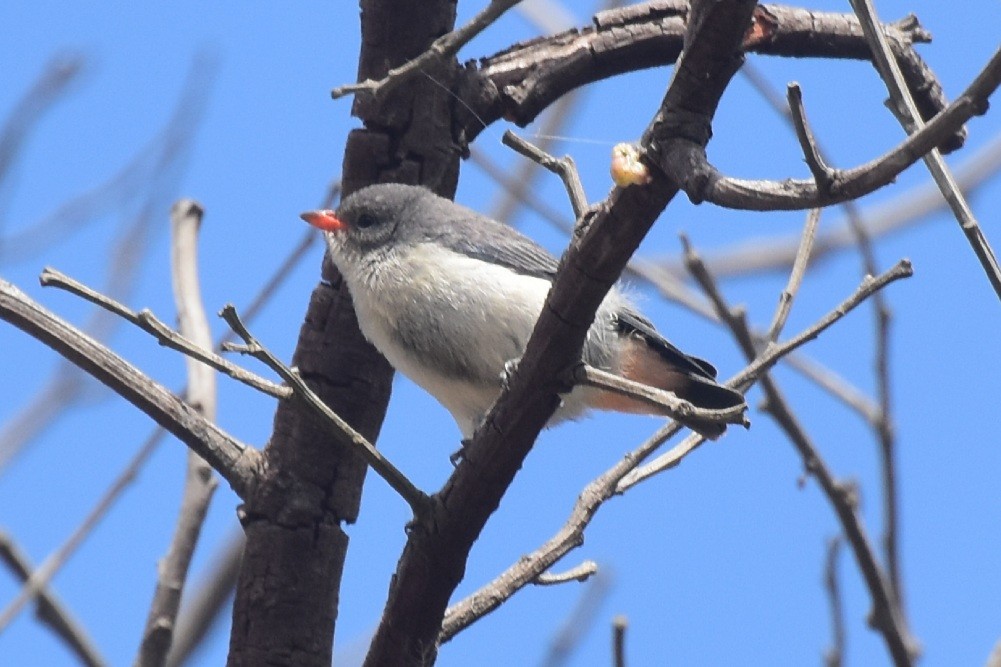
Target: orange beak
[{"x": 325, "y": 220}]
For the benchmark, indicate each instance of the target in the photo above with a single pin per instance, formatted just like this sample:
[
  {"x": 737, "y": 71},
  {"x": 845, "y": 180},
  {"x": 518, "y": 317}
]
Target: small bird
[{"x": 450, "y": 296}]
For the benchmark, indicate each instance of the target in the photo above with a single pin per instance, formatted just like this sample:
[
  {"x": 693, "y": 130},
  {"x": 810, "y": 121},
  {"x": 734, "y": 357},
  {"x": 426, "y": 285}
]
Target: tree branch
[
  {"x": 441, "y": 49},
  {"x": 50, "y": 610},
  {"x": 332, "y": 422},
  {"x": 630, "y": 471},
  {"x": 199, "y": 484},
  {"x": 521, "y": 81},
  {"x": 35, "y": 584},
  {"x": 906, "y": 111},
  {"x": 434, "y": 557},
  {"x": 770, "y": 356},
  {"x": 237, "y": 463},
  {"x": 154, "y": 326},
  {"x": 887, "y": 616},
  {"x": 688, "y": 166},
  {"x": 834, "y": 655}
]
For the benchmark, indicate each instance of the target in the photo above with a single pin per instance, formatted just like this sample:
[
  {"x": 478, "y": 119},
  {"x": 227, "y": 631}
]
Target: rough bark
[
  {"x": 286, "y": 602},
  {"x": 434, "y": 559}
]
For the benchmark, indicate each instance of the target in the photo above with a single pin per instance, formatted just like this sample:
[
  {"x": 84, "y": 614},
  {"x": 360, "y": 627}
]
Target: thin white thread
[{"x": 553, "y": 137}]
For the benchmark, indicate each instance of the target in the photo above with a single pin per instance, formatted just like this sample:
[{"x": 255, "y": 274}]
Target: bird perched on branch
[{"x": 449, "y": 297}]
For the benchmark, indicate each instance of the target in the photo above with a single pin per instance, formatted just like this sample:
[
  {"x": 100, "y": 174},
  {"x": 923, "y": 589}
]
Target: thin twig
[
  {"x": 523, "y": 175},
  {"x": 570, "y": 536},
  {"x": 900, "y": 211},
  {"x": 795, "y": 276},
  {"x": 578, "y": 622},
  {"x": 199, "y": 484},
  {"x": 703, "y": 420},
  {"x": 686, "y": 163},
  {"x": 834, "y": 655},
  {"x": 629, "y": 471},
  {"x": 563, "y": 167},
  {"x": 882, "y": 421},
  {"x": 419, "y": 501},
  {"x": 619, "y": 625},
  {"x": 164, "y": 335},
  {"x": 50, "y": 609},
  {"x": 235, "y": 461},
  {"x": 768, "y": 358},
  {"x": 906, "y": 111},
  {"x": 887, "y": 617},
  {"x": 580, "y": 573},
  {"x": 822, "y": 174},
  {"x": 202, "y": 608},
  {"x": 444, "y": 47},
  {"x": 41, "y": 577}
]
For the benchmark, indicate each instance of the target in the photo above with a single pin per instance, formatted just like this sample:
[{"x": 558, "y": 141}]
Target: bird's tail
[{"x": 644, "y": 365}]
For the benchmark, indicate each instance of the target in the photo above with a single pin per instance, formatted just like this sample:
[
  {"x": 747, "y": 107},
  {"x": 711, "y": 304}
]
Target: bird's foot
[
  {"x": 510, "y": 368},
  {"x": 455, "y": 457}
]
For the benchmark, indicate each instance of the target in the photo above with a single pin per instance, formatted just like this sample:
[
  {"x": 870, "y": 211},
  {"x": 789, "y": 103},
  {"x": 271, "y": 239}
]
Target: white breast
[{"x": 469, "y": 318}]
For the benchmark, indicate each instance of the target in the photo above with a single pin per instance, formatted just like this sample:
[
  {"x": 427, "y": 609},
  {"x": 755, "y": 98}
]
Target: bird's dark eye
[{"x": 365, "y": 220}]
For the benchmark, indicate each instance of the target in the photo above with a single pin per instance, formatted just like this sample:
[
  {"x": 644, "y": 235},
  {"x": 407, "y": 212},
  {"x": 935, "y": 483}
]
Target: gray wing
[
  {"x": 490, "y": 241},
  {"x": 630, "y": 322}
]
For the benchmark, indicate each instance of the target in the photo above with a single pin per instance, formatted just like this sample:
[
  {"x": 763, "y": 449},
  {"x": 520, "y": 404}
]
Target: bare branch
[
  {"x": 887, "y": 616},
  {"x": 909, "y": 207},
  {"x": 50, "y": 610},
  {"x": 619, "y": 625},
  {"x": 40, "y": 578},
  {"x": 419, "y": 502},
  {"x": 199, "y": 484},
  {"x": 236, "y": 462},
  {"x": 795, "y": 276},
  {"x": 164, "y": 335},
  {"x": 570, "y": 536},
  {"x": 833, "y": 656},
  {"x": 444, "y": 47},
  {"x": 907, "y": 113},
  {"x": 580, "y": 573},
  {"x": 708, "y": 423},
  {"x": 687, "y": 165},
  {"x": 520, "y": 82},
  {"x": 563, "y": 167},
  {"x": 822, "y": 174}
]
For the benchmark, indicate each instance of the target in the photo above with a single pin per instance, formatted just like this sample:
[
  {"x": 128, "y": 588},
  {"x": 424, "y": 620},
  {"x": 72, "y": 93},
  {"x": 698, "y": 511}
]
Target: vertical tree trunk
[{"x": 286, "y": 601}]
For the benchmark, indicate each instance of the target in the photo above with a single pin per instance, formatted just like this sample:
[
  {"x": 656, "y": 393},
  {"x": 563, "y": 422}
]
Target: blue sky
[{"x": 716, "y": 562}]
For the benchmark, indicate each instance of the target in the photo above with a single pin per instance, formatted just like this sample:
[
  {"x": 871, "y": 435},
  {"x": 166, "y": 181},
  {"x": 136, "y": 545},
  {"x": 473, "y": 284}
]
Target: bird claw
[
  {"x": 510, "y": 368},
  {"x": 455, "y": 457}
]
